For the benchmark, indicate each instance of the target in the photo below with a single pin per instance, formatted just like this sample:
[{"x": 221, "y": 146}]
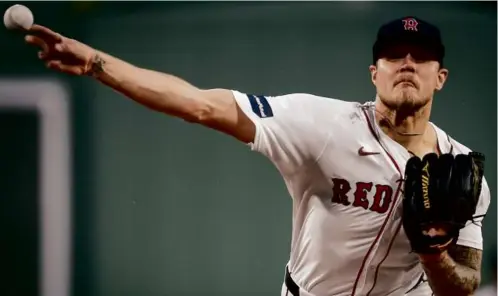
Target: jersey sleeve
[
  {"x": 288, "y": 129},
  {"x": 471, "y": 234}
]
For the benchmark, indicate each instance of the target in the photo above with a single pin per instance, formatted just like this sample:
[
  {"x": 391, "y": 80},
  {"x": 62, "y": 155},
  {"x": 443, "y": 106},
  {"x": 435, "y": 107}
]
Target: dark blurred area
[{"x": 162, "y": 207}]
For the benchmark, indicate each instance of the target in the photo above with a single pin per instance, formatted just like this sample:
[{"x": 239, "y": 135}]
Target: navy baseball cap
[{"x": 410, "y": 31}]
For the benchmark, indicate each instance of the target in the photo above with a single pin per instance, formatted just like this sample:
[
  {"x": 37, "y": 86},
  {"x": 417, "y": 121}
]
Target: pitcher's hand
[{"x": 61, "y": 53}]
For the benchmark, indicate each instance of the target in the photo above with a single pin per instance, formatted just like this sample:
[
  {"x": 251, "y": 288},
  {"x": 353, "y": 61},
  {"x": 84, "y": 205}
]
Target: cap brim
[{"x": 435, "y": 48}]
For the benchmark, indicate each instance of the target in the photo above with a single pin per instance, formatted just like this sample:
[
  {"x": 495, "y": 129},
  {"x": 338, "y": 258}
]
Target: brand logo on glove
[{"x": 425, "y": 186}]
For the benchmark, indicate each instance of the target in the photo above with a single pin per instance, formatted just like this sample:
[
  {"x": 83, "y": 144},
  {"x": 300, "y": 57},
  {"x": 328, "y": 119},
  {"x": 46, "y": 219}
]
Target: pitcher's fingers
[
  {"x": 48, "y": 55},
  {"x": 53, "y": 64},
  {"x": 45, "y": 33},
  {"x": 60, "y": 66},
  {"x": 37, "y": 41},
  {"x": 43, "y": 55}
]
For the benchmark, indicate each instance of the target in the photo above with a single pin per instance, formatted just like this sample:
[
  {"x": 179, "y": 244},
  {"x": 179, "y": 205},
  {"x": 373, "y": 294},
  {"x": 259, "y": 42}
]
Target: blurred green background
[{"x": 162, "y": 207}]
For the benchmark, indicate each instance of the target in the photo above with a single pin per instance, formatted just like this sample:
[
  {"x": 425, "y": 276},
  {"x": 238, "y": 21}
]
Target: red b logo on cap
[{"x": 410, "y": 24}]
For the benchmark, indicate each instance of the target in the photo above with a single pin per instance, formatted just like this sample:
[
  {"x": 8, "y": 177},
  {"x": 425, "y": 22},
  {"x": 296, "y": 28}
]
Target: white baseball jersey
[{"x": 344, "y": 175}]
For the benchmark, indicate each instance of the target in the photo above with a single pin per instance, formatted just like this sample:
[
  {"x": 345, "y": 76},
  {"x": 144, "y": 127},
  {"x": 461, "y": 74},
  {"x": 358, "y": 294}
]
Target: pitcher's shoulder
[
  {"x": 318, "y": 101},
  {"x": 337, "y": 102},
  {"x": 299, "y": 108},
  {"x": 327, "y": 107}
]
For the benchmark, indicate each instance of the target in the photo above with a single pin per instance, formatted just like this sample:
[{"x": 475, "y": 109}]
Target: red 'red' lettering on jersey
[
  {"x": 381, "y": 200},
  {"x": 341, "y": 188}
]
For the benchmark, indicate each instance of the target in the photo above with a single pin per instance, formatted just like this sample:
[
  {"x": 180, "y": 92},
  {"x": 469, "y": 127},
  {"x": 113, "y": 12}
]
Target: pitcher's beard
[{"x": 405, "y": 103}]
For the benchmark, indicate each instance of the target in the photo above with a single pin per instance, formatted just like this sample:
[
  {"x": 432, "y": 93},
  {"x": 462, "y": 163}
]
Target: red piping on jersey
[
  {"x": 438, "y": 148},
  {"x": 387, "y": 253},
  {"x": 370, "y": 126}
]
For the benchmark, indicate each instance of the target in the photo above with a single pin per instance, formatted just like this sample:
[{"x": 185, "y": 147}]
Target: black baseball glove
[{"x": 440, "y": 197}]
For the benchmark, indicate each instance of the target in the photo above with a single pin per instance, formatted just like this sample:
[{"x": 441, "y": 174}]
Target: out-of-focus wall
[{"x": 20, "y": 61}]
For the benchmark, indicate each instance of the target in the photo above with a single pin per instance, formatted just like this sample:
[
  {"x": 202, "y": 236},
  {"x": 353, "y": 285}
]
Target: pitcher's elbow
[
  {"x": 201, "y": 113},
  {"x": 204, "y": 115}
]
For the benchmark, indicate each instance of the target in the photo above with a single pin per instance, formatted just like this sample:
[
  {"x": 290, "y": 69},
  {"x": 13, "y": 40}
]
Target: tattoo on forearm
[
  {"x": 456, "y": 273},
  {"x": 97, "y": 65}
]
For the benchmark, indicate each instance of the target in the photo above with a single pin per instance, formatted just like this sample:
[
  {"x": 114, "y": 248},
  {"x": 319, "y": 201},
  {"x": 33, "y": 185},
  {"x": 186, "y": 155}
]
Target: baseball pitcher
[{"x": 384, "y": 201}]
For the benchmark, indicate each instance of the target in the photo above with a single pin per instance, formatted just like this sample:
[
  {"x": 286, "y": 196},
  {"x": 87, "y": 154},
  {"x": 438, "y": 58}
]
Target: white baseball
[{"x": 18, "y": 17}]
